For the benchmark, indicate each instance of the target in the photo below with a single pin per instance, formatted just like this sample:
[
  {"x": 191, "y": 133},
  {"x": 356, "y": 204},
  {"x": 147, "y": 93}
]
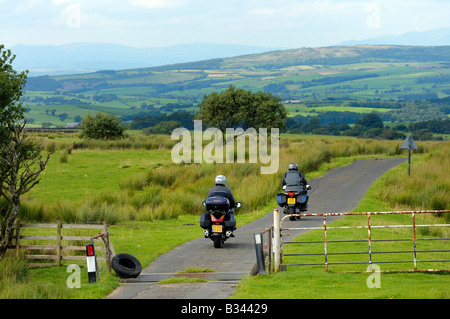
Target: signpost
[{"x": 409, "y": 145}]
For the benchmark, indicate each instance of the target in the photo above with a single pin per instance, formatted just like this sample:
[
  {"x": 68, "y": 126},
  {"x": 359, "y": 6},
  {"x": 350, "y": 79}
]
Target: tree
[
  {"x": 237, "y": 107},
  {"x": 370, "y": 121},
  {"x": 165, "y": 127},
  {"x": 21, "y": 164},
  {"x": 313, "y": 124},
  {"x": 20, "y": 158},
  {"x": 11, "y": 85},
  {"x": 102, "y": 126}
]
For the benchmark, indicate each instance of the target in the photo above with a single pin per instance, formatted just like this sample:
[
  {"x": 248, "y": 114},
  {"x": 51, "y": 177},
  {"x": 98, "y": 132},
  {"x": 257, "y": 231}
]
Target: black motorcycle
[
  {"x": 293, "y": 202},
  {"x": 218, "y": 222}
]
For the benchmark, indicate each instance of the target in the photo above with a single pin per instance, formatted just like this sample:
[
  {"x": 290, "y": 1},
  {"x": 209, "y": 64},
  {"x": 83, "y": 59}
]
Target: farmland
[
  {"x": 133, "y": 184},
  {"x": 153, "y": 205},
  {"x": 138, "y": 180},
  {"x": 310, "y": 81}
]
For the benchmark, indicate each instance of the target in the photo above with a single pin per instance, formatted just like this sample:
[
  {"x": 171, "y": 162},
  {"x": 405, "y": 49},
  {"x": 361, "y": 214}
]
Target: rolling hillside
[{"x": 305, "y": 78}]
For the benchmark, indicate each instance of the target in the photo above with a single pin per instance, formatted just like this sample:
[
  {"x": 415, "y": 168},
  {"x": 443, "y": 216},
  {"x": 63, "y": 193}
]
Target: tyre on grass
[{"x": 126, "y": 265}]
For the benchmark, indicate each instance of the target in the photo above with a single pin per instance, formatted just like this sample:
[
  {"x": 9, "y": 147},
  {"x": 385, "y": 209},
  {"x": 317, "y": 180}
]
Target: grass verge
[
  {"x": 314, "y": 282},
  {"x": 146, "y": 236}
]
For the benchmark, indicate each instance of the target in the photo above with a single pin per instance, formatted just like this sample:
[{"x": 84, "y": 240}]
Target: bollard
[
  {"x": 259, "y": 254},
  {"x": 91, "y": 263}
]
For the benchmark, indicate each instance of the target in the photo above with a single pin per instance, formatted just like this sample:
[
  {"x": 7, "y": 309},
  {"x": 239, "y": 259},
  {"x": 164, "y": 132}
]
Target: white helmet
[{"x": 221, "y": 180}]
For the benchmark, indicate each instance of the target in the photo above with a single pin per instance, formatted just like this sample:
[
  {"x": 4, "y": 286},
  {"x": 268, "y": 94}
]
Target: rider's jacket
[
  {"x": 220, "y": 190},
  {"x": 294, "y": 181}
]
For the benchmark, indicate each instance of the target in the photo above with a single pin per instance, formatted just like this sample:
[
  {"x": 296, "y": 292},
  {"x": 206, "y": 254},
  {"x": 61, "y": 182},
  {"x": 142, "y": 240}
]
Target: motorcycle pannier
[
  {"x": 230, "y": 221},
  {"x": 205, "y": 220},
  {"x": 281, "y": 199},
  {"x": 217, "y": 203},
  {"x": 302, "y": 198}
]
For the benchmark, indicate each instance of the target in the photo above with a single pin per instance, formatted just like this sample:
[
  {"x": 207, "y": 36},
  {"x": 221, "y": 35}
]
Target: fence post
[
  {"x": 414, "y": 240},
  {"x": 276, "y": 240},
  {"x": 369, "y": 239},
  {"x": 58, "y": 243},
  {"x": 325, "y": 241},
  {"x": 17, "y": 237},
  {"x": 270, "y": 244},
  {"x": 107, "y": 247}
]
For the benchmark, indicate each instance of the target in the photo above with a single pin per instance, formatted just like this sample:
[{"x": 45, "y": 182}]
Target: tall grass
[
  {"x": 58, "y": 141},
  {"x": 167, "y": 190},
  {"x": 428, "y": 186},
  {"x": 17, "y": 283}
]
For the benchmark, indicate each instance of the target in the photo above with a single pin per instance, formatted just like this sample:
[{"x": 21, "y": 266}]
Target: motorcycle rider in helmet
[
  {"x": 221, "y": 190},
  {"x": 294, "y": 180}
]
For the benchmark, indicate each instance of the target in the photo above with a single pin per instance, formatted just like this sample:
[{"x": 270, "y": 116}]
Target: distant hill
[
  {"x": 389, "y": 77},
  {"x": 435, "y": 37},
  {"x": 90, "y": 57}
]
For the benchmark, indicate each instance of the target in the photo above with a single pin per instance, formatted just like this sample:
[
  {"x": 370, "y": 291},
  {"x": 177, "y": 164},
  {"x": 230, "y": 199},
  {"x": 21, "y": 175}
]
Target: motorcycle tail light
[
  {"x": 291, "y": 193},
  {"x": 217, "y": 219}
]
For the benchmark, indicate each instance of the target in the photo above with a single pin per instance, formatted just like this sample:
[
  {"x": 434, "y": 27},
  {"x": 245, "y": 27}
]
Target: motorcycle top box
[{"x": 217, "y": 203}]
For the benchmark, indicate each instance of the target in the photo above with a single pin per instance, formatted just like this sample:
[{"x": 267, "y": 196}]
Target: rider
[
  {"x": 221, "y": 190},
  {"x": 294, "y": 180}
]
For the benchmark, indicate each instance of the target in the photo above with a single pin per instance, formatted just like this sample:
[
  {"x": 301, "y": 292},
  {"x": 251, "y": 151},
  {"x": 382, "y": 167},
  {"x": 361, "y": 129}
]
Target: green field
[
  {"x": 133, "y": 184},
  {"x": 313, "y": 282},
  {"x": 302, "y": 109},
  {"x": 152, "y": 205},
  {"x": 341, "y": 73}
]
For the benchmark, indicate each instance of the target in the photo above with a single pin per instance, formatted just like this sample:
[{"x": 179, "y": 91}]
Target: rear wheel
[
  {"x": 217, "y": 241},
  {"x": 291, "y": 210}
]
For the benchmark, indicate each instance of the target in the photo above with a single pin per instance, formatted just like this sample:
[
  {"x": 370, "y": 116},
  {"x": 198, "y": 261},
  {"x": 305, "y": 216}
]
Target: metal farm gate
[{"x": 275, "y": 238}]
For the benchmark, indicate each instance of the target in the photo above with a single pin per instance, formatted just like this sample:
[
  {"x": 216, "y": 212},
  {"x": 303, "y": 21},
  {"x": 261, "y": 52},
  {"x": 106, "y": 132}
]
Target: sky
[{"x": 279, "y": 24}]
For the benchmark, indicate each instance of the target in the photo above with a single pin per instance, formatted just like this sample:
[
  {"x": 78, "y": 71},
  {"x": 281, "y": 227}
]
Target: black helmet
[{"x": 293, "y": 166}]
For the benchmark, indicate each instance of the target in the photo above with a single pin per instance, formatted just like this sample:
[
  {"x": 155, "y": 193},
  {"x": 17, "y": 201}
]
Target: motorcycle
[
  {"x": 293, "y": 202},
  {"x": 219, "y": 221}
]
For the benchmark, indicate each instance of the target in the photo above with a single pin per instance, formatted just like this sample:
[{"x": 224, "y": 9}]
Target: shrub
[{"x": 102, "y": 126}]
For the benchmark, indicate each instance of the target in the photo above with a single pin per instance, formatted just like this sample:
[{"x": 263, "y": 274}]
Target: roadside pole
[
  {"x": 276, "y": 240},
  {"x": 259, "y": 253},
  {"x": 409, "y": 144}
]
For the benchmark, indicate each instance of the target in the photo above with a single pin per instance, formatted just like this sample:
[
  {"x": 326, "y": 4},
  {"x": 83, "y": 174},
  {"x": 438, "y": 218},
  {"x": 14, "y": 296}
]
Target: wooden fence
[{"x": 60, "y": 246}]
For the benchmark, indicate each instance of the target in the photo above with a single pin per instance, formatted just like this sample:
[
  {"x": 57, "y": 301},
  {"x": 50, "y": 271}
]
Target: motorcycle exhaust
[
  {"x": 228, "y": 233},
  {"x": 206, "y": 232}
]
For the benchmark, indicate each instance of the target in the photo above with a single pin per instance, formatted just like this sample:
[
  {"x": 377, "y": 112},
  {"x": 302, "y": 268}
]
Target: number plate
[
  {"x": 291, "y": 201},
  {"x": 216, "y": 228}
]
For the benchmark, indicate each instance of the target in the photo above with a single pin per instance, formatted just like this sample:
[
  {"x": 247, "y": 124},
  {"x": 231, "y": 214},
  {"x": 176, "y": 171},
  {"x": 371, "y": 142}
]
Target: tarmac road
[{"x": 339, "y": 190}]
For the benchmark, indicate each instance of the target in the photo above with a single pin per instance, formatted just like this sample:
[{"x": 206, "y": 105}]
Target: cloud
[
  {"x": 281, "y": 23},
  {"x": 60, "y": 2},
  {"x": 26, "y": 6},
  {"x": 155, "y": 4},
  {"x": 286, "y": 10}
]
